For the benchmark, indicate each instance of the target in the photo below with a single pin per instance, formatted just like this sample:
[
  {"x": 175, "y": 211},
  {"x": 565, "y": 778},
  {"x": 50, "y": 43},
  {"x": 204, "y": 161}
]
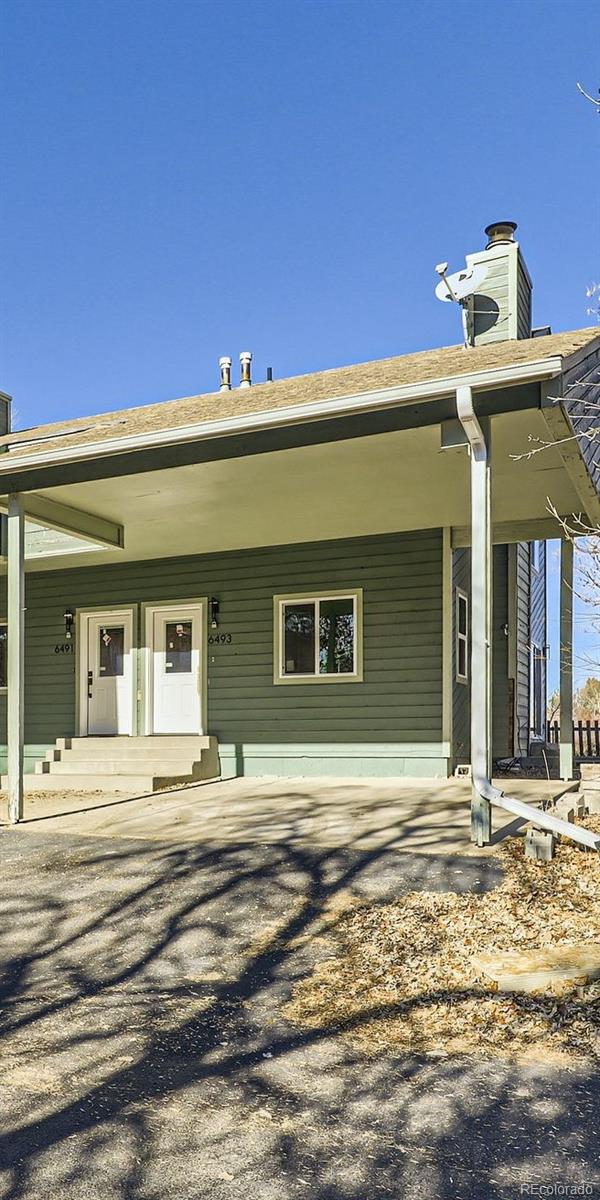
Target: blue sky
[{"x": 183, "y": 180}]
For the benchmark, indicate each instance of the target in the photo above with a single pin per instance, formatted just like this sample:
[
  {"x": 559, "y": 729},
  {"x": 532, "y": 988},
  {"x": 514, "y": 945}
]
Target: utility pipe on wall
[{"x": 484, "y": 793}]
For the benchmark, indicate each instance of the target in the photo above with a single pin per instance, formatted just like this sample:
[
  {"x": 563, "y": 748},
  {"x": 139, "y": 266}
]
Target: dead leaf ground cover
[{"x": 403, "y": 978}]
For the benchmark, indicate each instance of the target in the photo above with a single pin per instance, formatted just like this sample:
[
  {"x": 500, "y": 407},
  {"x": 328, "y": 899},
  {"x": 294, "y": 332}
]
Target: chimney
[
  {"x": 225, "y": 369},
  {"x": 501, "y": 309},
  {"x": 245, "y": 369}
]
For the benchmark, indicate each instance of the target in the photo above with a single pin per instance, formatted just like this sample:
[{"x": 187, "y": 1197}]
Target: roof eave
[{"x": 519, "y": 373}]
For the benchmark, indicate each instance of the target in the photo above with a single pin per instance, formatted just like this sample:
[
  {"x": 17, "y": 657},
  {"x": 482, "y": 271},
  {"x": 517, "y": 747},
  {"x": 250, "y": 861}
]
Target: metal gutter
[
  {"x": 485, "y": 793},
  {"x": 498, "y": 377}
]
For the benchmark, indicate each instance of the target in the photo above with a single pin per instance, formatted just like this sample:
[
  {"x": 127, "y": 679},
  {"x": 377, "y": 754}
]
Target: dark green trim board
[{"x": 265, "y": 441}]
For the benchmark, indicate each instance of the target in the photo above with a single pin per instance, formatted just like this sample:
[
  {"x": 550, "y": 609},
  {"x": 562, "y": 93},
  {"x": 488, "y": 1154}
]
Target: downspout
[{"x": 484, "y": 792}]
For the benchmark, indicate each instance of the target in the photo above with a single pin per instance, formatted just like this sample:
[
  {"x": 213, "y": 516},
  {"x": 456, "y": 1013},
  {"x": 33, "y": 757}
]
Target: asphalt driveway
[{"x": 144, "y": 1054}]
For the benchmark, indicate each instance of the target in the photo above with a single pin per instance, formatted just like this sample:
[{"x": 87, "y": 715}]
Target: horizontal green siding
[
  {"x": 461, "y": 719},
  {"x": 501, "y": 719},
  {"x": 523, "y": 639},
  {"x": 501, "y": 697},
  {"x": 399, "y": 702}
]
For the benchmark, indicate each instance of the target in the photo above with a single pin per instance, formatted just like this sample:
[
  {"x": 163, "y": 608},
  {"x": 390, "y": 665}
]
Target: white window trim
[
  {"x": 461, "y": 637},
  {"x": 4, "y": 689},
  {"x": 354, "y": 594}
]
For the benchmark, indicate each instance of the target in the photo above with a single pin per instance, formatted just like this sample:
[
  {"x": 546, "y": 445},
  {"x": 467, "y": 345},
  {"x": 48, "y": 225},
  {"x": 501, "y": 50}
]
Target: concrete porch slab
[{"x": 426, "y": 816}]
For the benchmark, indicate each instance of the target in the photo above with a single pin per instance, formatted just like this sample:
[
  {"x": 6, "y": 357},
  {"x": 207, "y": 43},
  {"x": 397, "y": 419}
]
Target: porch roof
[
  {"x": 313, "y": 458},
  {"x": 446, "y": 366}
]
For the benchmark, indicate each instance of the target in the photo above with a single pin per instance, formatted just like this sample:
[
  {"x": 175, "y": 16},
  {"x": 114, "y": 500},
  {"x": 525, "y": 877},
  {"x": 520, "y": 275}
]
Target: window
[
  {"x": 3, "y": 641},
  {"x": 462, "y": 636},
  {"x": 178, "y": 647},
  {"x": 536, "y": 690},
  {"x": 318, "y": 639},
  {"x": 111, "y": 647},
  {"x": 536, "y": 555}
]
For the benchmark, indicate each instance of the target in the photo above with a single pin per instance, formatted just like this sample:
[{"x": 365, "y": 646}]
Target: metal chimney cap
[
  {"x": 500, "y": 231},
  {"x": 225, "y": 361},
  {"x": 246, "y": 369}
]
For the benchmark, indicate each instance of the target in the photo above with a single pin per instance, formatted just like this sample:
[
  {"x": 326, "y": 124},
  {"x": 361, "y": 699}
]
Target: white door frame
[
  {"x": 83, "y": 617},
  {"x": 147, "y": 672}
]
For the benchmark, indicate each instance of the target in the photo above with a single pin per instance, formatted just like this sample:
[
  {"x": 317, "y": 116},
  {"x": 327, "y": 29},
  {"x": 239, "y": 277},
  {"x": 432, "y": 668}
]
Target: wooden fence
[{"x": 586, "y": 737}]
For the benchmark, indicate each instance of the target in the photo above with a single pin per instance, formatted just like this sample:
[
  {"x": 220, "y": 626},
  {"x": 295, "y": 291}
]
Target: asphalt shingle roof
[{"x": 422, "y": 367}]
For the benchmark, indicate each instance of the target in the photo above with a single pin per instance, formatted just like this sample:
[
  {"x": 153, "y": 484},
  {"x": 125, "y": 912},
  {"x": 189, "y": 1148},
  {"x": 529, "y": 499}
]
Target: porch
[{"x": 416, "y": 815}]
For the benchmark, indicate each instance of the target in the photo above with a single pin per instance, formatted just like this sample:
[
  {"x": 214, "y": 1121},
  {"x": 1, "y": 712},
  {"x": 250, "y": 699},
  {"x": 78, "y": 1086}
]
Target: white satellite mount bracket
[{"x": 459, "y": 286}]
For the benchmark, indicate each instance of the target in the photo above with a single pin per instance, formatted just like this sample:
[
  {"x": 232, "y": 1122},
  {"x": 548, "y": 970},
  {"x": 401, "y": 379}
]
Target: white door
[
  {"x": 109, "y": 676},
  {"x": 175, "y": 667}
]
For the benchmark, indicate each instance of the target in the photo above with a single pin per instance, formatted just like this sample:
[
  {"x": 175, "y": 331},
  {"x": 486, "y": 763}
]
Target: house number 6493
[{"x": 219, "y": 639}]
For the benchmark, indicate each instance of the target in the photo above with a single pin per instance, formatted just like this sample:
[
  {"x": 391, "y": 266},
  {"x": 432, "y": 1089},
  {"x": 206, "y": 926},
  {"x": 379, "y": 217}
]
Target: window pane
[
  {"x": 462, "y": 615},
  {"x": 178, "y": 647},
  {"x": 462, "y": 658},
  {"x": 111, "y": 651},
  {"x": 336, "y": 637},
  {"x": 3, "y": 639},
  {"x": 299, "y": 639}
]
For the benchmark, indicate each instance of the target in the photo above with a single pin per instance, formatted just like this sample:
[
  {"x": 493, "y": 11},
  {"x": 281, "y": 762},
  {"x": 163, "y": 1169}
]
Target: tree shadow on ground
[{"x": 145, "y": 1054}]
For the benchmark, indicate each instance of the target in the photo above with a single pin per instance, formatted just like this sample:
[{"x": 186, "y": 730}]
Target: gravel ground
[{"x": 145, "y": 1054}]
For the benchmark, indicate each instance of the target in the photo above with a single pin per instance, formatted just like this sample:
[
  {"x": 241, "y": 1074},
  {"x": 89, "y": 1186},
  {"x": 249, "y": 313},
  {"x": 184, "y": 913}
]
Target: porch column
[
  {"x": 566, "y": 659},
  {"x": 481, "y": 617},
  {"x": 15, "y": 654}
]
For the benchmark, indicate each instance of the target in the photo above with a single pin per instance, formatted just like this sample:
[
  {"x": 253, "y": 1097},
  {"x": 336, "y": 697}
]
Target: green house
[{"x": 291, "y": 577}]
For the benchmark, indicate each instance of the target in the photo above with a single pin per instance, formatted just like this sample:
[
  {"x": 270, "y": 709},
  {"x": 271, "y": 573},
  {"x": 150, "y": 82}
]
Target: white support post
[
  {"x": 566, "y": 659},
  {"x": 15, "y": 654},
  {"x": 481, "y": 619},
  {"x": 447, "y": 644}
]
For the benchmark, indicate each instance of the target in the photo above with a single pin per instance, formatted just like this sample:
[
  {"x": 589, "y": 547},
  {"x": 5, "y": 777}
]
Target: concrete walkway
[{"x": 430, "y": 816}]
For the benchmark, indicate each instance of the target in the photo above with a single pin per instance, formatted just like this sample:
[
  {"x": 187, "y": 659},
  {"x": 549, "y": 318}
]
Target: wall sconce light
[
  {"x": 214, "y": 612},
  {"x": 69, "y": 622},
  {"x": 505, "y": 629}
]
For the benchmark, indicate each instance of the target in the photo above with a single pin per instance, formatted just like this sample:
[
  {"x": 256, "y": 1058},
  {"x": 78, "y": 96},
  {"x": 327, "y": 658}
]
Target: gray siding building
[{"x": 289, "y": 574}]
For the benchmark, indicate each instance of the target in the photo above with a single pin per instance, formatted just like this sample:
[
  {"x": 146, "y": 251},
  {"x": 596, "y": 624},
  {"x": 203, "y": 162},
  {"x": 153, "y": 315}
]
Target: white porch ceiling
[{"x": 385, "y": 483}]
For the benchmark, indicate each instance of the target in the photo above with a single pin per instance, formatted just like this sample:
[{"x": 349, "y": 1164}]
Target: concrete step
[
  {"x": 170, "y": 754},
  {"x": 132, "y": 785},
  {"x": 111, "y": 746},
  {"x": 540, "y": 970},
  {"x": 135, "y": 765},
  {"x": 124, "y": 766},
  {"x": 590, "y": 771}
]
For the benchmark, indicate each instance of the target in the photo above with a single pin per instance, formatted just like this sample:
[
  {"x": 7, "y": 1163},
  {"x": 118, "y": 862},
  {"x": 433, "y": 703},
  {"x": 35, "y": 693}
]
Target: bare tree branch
[{"x": 591, "y": 99}]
